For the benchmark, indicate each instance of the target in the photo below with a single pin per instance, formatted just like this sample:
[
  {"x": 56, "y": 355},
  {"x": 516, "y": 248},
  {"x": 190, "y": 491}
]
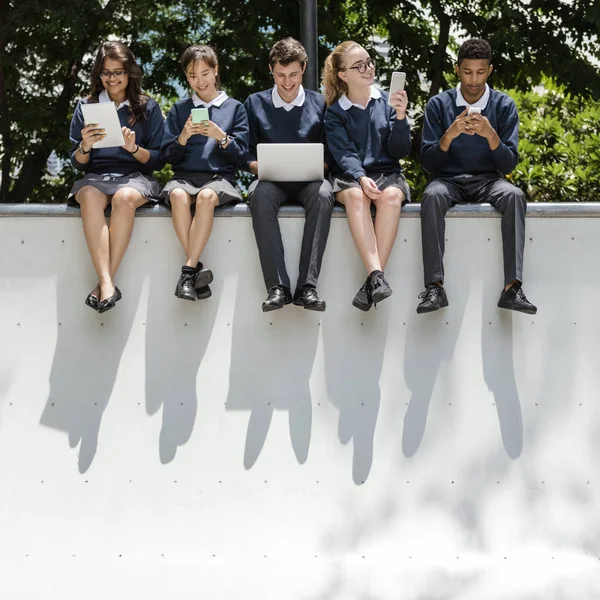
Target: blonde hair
[{"x": 333, "y": 86}]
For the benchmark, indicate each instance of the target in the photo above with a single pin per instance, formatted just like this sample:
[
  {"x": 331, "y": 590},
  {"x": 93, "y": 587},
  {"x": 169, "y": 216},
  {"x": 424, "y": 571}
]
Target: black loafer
[
  {"x": 363, "y": 299},
  {"x": 278, "y": 297},
  {"x": 92, "y": 300},
  {"x": 203, "y": 277},
  {"x": 109, "y": 303},
  {"x": 514, "y": 299},
  {"x": 202, "y": 293},
  {"x": 306, "y": 296},
  {"x": 432, "y": 299},
  {"x": 185, "y": 286}
]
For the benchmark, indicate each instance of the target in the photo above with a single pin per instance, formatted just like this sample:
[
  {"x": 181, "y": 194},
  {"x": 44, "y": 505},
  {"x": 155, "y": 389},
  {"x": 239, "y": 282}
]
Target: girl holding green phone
[{"x": 206, "y": 136}]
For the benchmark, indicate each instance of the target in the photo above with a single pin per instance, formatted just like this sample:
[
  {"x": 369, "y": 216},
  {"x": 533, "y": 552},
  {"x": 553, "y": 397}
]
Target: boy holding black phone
[{"x": 470, "y": 141}]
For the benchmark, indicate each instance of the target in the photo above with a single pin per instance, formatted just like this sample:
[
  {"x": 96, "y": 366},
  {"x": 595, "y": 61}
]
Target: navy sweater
[
  {"x": 366, "y": 141},
  {"x": 268, "y": 124},
  {"x": 202, "y": 154},
  {"x": 470, "y": 154},
  {"x": 148, "y": 134}
]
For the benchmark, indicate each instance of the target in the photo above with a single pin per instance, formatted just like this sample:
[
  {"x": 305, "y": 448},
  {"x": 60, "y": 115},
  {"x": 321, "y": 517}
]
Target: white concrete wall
[{"x": 181, "y": 450}]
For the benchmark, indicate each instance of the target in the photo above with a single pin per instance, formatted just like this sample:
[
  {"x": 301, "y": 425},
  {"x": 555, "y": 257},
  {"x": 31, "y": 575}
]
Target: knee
[
  {"x": 206, "y": 199},
  {"x": 517, "y": 197},
  {"x": 90, "y": 197},
  {"x": 433, "y": 200},
  {"x": 354, "y": 199},
  {"x": 179, "y": 198},
  {"x": 391, "y": 197},
  {"x": 126, "y": 199}
]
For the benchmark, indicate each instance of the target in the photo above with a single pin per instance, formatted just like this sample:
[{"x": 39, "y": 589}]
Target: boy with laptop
[{"x": 288, "y": 114}]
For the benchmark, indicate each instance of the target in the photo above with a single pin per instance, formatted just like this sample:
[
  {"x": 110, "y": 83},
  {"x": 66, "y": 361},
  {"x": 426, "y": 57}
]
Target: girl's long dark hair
[{"x": 119, "y": 51}]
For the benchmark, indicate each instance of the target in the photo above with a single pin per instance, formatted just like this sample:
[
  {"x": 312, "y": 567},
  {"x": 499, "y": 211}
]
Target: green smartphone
[{"x": 199, "y": 115}]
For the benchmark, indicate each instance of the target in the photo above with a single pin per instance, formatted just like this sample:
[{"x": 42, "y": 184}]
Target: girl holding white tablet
[
  {"x": 120, "y": 176},
  {"x": 367, "y": 138},
  {"x": 206, "y": 137}
]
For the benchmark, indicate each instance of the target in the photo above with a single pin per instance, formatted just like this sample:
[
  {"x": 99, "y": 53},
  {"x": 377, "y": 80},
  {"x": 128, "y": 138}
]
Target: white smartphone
[
  {"x": 473, "y": 110},
  {"x": 397, "y": 83}
]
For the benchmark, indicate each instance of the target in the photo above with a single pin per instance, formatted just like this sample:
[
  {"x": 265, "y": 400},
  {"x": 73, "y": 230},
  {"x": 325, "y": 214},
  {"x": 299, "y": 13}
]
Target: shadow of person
[
  {"x": 87, "y": 355},
  {"x": 499, "y": 370},
  {"x": 272, "y": 357},
  {"x": 354, "y": 344},
  {"x": 177, "y": 336}
]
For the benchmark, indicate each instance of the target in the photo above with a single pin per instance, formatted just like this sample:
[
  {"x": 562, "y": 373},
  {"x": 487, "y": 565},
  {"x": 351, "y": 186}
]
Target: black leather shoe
[
  {"x": 109, "y": 303},
  {"x": 202, "y": 293},
  {"x": 203, "y": 278},
  {"x": 92, "y": 300},
  {"x": 363, "y": 299},
  {"x": 380, "y": 288},
  {"x": 278, "y": 297},
  {"x": 433, "y": 298},
  {"x": 185, "y": 286},
  {"x": 514, "y": 299},
  {"x": 306, "y": 296}
]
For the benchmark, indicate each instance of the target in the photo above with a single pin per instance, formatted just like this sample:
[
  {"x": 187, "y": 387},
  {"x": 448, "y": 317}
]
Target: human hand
[
  {"x": 253, "y": 166},
  {"x": 129, "y": 137},
  {"x": 212, "y": 130},
  {"x": 480, "y": 125},
  {"x": 399, "y": 101},
  {"x": 369, "y": 187},
  {"x": 460, "y": 125},
  {"x": 91, "y": 134},
  {"x": 189, "y": 129}
]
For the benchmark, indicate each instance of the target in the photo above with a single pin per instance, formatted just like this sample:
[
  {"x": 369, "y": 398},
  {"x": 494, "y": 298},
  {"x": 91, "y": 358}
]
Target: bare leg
[
  {"x": 124, "y": 203},
  {"x": 181, "y": 203},
  {"x": 201, "y": 225},
  {"x": 358, "y": 212},
  {"x": 93, "y": 202},
  {"x": 387, "y": 219}
]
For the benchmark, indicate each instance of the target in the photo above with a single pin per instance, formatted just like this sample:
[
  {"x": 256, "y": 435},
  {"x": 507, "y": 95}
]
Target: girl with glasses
[
  {"x": 205, "y": 156},
  {"x": 367, "y": 138},
  {"x": 120, "y": 176}
]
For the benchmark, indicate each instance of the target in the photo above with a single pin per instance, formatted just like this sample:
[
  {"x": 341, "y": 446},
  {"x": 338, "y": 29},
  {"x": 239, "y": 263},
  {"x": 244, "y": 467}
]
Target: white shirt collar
[
  {"x": 481, "y": 103},
  {"x": 279, "y": 102},
  {"x": 104, "y": 97},
  {"x": 214, "y": 102},
  {"x": 346, "y": 104}
]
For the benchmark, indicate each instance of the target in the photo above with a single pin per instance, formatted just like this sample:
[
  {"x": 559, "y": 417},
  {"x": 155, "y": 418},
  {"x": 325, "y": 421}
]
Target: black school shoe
[
  {"x": 380, "y": 288},
  {"x": 203, "y": 277},
  {"x": 185, "y": 286},
  {"x": 278, "y": 297},
  {"x": 306, "y": 296},
  {"x": 433, "y": 298},
  {"x": 363, "y": 299},
  {"x": 514, "y": 299}
]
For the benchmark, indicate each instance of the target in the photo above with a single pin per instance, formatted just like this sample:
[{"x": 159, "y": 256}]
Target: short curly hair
[
  {"x": 287, "y": 51},
  {"x": 475, "y": 49}
]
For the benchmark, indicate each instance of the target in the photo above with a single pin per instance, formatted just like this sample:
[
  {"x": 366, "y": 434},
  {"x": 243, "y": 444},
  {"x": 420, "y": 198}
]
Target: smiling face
[
  {"x": 358, "y": 60},
  {"x": 473, "y": 74},
  {"x": 114, "y": 78},
  {"x": 288, "y": 79},
  {"x": 202, "y": 78}
]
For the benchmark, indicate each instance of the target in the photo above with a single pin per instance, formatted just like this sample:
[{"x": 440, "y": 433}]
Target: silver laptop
[{"x": 290, "y": 162}]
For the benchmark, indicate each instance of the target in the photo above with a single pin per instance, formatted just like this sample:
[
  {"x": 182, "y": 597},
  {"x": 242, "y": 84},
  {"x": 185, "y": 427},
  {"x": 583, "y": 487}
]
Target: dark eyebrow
[{"x": 358, "y": 62}]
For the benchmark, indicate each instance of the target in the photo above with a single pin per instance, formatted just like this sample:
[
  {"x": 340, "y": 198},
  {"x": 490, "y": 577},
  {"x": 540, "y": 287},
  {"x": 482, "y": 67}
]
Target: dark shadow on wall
[
  {"x": 177, "y": 336},
  {"x": 86, "y": 359},
  {"x": 272, "y": 358},
  {"x": 354, "y": 344}
]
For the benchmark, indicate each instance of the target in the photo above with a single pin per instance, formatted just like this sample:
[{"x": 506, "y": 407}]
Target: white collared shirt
[
  {"x": 104, "y": 97},
  {"x": 214, "y": 102},
  {"x": 279, "y": 102},
  {"x": 347, "y": 104},
  {"x": 481, "y": 103}
]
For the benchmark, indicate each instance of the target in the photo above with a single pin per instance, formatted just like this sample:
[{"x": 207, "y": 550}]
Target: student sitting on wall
[
  {"x": 205, "y": 137},
  {"x": 470, "y": 141},
  {"x": 121, "y": 176},
  {"x": 287, "y": 113},
  {"x": 367, "y": 137}
]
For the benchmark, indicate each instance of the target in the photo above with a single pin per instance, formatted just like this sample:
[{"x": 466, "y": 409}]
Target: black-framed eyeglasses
[
  {"x": 106, "y": 74},
  {"x": 363, "y": 66}
]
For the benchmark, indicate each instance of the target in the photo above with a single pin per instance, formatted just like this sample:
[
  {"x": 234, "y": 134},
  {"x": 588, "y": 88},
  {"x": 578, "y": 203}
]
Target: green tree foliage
[{"x": 46, "y": 51}]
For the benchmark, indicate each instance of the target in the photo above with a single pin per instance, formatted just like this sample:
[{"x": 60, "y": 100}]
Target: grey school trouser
[
  {"x": 265, "y": 199},
  {"x": 444, "y": 192}
]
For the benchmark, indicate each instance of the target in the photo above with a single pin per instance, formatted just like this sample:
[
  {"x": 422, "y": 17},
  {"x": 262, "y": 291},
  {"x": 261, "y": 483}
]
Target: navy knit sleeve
[
  {"x": 398, "y": 143},
  {"x": 77, "y": 124},
  {"x": 341, "y": 146},
  {"x": 171, "y": 151},
  {"x": 253, "y": 133},
  {"x": 237, "y": 148},
  {"x": 154, "y": 132},
  {"x": 432, "y": 156},
  {"x": 506, "y": 155}
]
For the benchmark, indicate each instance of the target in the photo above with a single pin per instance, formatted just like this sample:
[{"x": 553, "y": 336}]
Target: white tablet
[
  {"x": 105, "y": 114},
  {"x": 290, "y": 162}
]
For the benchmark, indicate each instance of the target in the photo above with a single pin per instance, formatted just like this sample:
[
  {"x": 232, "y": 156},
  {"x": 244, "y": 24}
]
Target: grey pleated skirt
[
  {"x": 383, "y": 180},
  {"x": 146, "y": 185},
  {"x": 225, "y": 190}
]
